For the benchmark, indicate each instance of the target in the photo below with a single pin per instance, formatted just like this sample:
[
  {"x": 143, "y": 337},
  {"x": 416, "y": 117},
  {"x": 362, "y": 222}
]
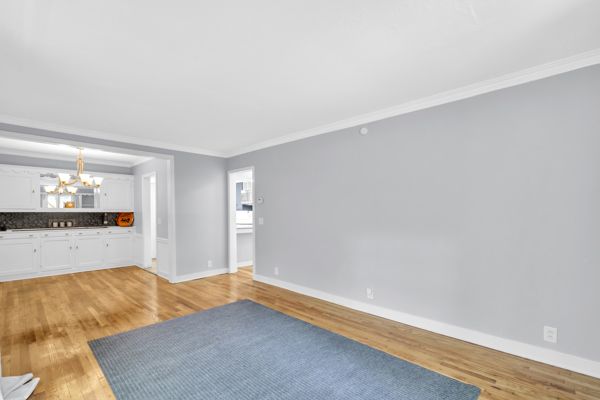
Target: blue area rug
[{"x": 245, "y": 351}]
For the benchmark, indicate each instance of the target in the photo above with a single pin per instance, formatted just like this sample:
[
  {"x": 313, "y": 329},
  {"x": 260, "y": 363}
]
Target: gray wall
[
  {"x": 162, "y": 204},
  {"x": 201, "y": 204},
  {"x": 200, "y": 193},
  {"x": 59, "y": 164},
  {"x": 481, "y": 213}
]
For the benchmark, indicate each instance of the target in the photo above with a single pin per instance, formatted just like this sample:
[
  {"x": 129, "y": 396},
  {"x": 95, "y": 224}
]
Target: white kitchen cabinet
[
  {"x": 18, "y": 256},
  {"x": 56, "y": 253},
  {"x": 25, "y": 191},
  {"x": 89, "y": 251},
  {"x": 20, "y": 190},
  {"x": 50, "y": 252},
  {"x": 117, "y": 194},
  {"x": 119, "y": 250}
]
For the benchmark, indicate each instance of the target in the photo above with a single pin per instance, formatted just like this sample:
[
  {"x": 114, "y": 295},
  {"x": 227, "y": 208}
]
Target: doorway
[
  {"x": 241, "y": 221},
  {"x": 149, "y": 223}
]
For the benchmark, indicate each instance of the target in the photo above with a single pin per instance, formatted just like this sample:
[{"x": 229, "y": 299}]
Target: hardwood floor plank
[{"x": 45, "y": 325}]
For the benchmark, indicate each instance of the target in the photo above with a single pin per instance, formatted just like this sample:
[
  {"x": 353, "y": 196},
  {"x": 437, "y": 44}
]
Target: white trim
[
  {"x": 246, "y": 263},
  {"x": 146, "y": 217},
  {"x": 199, "y": 275},
  {"x": 505, "y": 81},
  {"x": 544, "y": 355},
  {"x": 80, "y": 143},
  {"x": 232, "y": 224},
  {"x": 60, "y": 157},
  {"x": 541, "y": 71},
  {"x": 40, "y": 170},
  {"x": 171, "y": 221},
  {"x": 48, "y": 126}
]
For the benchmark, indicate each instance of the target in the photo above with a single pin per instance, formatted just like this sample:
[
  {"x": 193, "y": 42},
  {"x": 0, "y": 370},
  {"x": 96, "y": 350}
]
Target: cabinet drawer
[
  {"x": 89, "y": 232},
  {"x": 10, "y": 236},
  {"x": 56, "y": 234}
]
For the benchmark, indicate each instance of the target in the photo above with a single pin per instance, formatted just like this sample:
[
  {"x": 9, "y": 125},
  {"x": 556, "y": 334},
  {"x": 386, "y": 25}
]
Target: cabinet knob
[
  {"x": 32, "y": 190},
  {"x": 35, "y": 250}
]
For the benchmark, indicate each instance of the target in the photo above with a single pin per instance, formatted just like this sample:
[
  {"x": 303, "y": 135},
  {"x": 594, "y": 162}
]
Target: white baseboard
[
  {"x": 244, "y": 263},
  {"x": 541, "y": 354},
  {"x": 200, "y": 275}
]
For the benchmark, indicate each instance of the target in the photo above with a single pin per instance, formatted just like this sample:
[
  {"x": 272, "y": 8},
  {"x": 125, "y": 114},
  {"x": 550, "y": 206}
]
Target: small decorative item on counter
[
  {"x": 69, "y": 224},
  {"x": 69, "y": 204},
  {"x": 61, "y": 224},
  {"x": 55, "y": 224},
  {"x": 125, "y": 219}
]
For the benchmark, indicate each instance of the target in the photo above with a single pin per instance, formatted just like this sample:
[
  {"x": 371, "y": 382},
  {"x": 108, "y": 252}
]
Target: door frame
[
  {"x": 232, "y": 225},
  {"x": 146, "y": 210}
]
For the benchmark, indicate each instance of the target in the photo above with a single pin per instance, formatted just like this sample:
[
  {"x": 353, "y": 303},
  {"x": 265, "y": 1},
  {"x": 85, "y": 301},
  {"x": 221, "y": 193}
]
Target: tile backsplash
[{"x": 30, "y": 220}]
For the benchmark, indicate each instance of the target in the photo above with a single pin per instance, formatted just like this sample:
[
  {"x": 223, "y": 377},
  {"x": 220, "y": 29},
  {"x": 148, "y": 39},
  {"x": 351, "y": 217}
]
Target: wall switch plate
[
  {"x": 276, "y": 271},
  {"x": 261, "y": 221},
  {"x": 158, "y": 221},
  {"x": 370, "y": 293},
  {"x": 550, "y": 334},
  {"x": 209, "y": 263}
]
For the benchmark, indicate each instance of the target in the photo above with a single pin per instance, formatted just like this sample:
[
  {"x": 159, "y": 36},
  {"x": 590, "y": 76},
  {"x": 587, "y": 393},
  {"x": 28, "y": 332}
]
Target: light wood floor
[{"x": 45, "y": 325}]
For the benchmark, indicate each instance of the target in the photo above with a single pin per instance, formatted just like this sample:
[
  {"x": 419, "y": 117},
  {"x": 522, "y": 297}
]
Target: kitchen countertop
[
  {"x": 63, "y": 229},
  {"x": 60, "y": 229}
]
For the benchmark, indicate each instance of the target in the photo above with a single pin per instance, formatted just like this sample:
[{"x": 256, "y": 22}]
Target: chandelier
[{"x": 66, "y": 181}]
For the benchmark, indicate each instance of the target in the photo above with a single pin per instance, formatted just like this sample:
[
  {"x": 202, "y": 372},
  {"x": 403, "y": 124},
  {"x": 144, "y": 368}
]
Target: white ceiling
[
  {"x": 66, "y": 152},
  {"x": 225, "y": 75}
]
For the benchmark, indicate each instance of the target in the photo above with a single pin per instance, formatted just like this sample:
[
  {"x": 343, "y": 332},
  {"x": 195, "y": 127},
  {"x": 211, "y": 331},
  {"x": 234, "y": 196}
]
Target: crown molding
[
  {"x": 538, "y": 72},
  {"x": 28, "y": 123},
  {"x": 513, "y": 79},
  {"x": 88, "y": 160}
]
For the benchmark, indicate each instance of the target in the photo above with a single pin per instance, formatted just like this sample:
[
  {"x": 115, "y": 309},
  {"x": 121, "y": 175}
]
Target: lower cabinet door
[
  {"x": 56, "y": 254},
  {"x": 89, "y": 252},
  {"x": 119, "y": 250},
  {"x": 18, "y": 256}
]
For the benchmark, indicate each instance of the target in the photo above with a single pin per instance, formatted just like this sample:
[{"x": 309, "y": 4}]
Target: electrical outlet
[
  {"x": 276, "y": 271},
  {"x": 370, "y": 293},
  {"x": 261, "y": 221},
  {"x": 209, "y": 263},
  {"x": 550, "y": 334}
]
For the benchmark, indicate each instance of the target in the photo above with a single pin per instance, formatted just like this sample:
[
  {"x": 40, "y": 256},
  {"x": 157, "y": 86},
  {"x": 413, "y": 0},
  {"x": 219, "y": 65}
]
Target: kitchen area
[{"x": 56, "y": 221}]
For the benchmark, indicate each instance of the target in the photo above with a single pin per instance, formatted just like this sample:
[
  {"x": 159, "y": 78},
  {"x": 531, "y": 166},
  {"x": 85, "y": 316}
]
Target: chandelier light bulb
[{"x": 64, "y": 178}]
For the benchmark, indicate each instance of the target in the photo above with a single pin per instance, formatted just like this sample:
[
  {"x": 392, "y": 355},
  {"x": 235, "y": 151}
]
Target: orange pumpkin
[{"x": 125, "y": 219}]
